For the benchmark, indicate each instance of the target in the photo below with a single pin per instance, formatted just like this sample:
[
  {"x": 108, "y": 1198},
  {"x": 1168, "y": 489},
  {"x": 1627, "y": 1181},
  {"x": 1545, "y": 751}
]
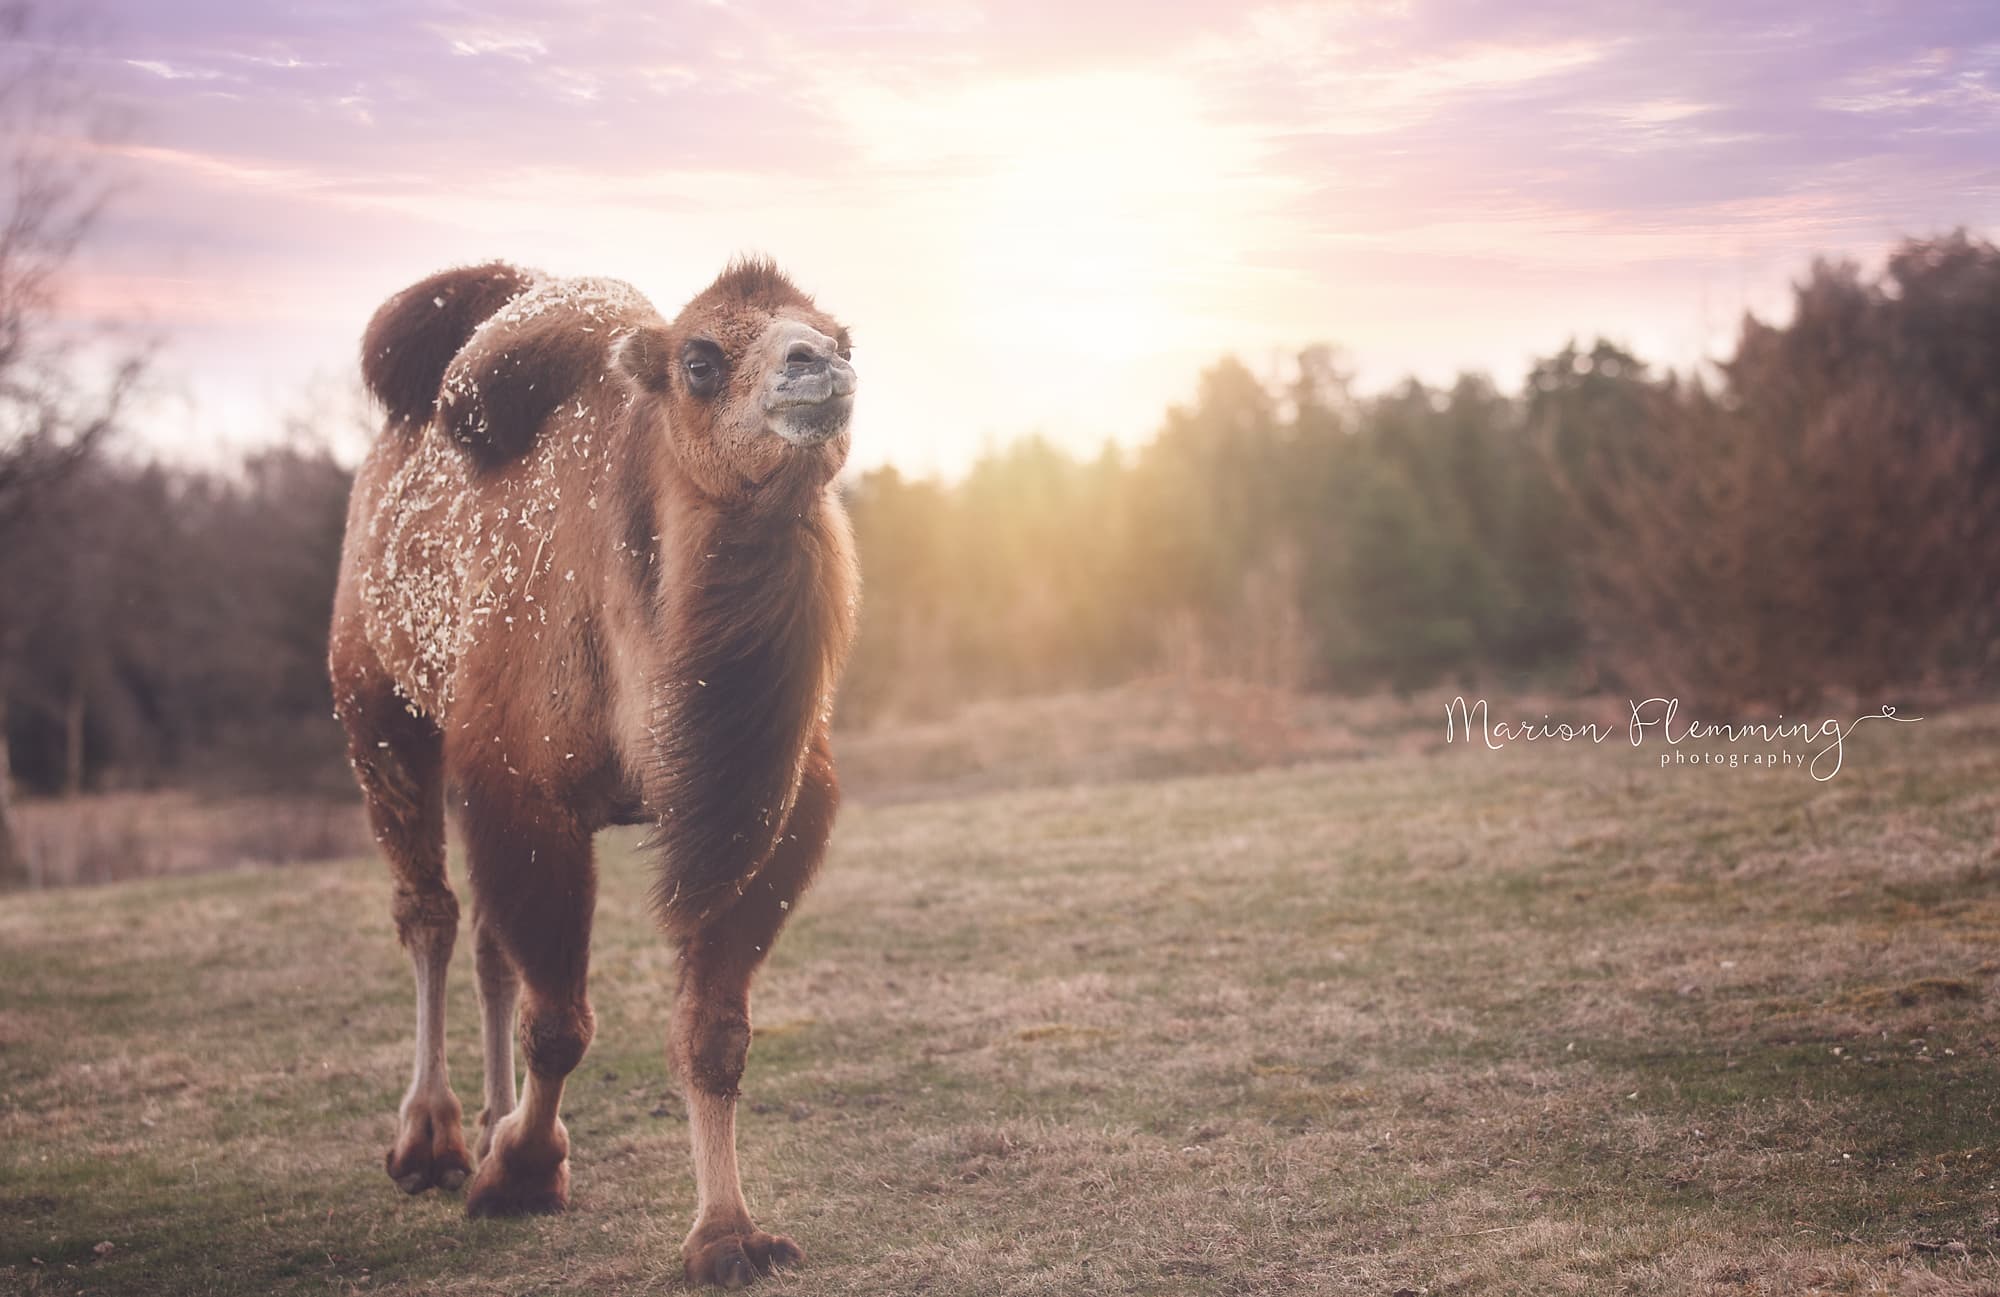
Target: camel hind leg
[
  {"x": 398, "y": 760},
  {"x": 499, "y": 993},
  {"x": 534, "y": 888}
]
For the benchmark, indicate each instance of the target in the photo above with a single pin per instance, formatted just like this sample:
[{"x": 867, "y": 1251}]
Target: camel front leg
[
  {"x": 710, "y": 1042},
  {"x": 711, "y": 1047}
]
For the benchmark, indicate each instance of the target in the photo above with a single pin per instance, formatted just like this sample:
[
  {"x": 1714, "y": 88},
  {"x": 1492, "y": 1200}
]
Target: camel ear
[{"x": 647, "y": 357}]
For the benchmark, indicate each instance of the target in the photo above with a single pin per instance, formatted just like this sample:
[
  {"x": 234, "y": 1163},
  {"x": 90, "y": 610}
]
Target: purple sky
[{"x": 1036, "y": 216}]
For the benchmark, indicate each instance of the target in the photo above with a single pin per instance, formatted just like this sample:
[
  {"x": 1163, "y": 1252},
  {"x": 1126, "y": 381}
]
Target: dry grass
[
  {"x": 1160, "y": 728},
  {"x": 112, "y": 837},
  {"x": 1540, "y": 1021}
]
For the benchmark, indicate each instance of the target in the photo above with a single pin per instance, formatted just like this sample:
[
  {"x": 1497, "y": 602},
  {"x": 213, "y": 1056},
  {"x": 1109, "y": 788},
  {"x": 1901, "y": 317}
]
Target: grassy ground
[
  {"x": 112, "y": 837},
  {"x": 1547, "y": 1020}
]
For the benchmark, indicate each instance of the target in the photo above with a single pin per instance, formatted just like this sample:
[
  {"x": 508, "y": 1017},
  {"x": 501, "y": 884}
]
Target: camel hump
[
  {"x": 414, "y": 335},
  {"x": 534, "y": 356}
]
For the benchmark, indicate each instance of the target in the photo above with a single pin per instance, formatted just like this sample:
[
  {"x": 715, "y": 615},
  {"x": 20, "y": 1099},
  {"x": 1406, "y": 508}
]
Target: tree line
[{"x": 1816, "y": 514}]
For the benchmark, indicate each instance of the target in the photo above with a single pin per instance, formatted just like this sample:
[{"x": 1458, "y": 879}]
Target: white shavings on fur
[
  {"x": 602, "y": 300},
  {"x": 460, "y": 551},
  {"x": 411, "y": 597}
]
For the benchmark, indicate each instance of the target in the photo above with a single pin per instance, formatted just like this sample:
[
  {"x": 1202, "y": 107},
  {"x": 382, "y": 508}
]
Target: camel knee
[
  {"x": 712, "y": 1048},
  {"x": 553, "y": 1040},
  {"x": 426, "y": 918}
]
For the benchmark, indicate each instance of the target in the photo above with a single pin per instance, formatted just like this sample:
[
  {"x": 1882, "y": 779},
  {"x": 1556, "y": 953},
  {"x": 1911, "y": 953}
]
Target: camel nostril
[{"x": 801, "y": 354}]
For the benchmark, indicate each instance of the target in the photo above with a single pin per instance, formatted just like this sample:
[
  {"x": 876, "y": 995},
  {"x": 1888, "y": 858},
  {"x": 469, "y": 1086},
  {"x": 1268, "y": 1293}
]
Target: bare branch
[{"x": 54, "y": 193}]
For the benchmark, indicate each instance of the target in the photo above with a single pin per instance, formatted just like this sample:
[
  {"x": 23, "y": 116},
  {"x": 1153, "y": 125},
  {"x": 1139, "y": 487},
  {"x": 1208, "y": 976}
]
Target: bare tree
[{"x": 51, "y": 417}]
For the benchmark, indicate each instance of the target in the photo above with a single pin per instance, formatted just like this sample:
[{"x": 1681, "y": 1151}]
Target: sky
[{"x": 1036, "y": 216}]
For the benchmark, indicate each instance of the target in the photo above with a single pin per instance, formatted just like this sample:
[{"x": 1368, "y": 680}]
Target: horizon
[{"x": 1036, "y": 221}]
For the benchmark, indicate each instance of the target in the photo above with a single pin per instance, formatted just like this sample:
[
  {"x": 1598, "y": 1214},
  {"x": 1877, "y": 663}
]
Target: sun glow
[
  {"x": 1098, "y": 221},
  {"x": 1102, "y": 208}
]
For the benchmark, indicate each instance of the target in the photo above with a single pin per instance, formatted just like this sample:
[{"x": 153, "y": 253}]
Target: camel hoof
[
  {"x": 521, "y": 1177},
  {"x": 429, "y": 1148},
  {"x": 736, "y": 1260}
]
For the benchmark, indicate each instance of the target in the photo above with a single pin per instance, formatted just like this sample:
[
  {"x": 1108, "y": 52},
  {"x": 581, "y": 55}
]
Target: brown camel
[{"x": 596, "y": 573}]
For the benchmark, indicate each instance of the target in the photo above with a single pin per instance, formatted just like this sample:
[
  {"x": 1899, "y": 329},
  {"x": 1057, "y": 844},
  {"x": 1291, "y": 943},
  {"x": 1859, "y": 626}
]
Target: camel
[{"x": 596, "y": 572}]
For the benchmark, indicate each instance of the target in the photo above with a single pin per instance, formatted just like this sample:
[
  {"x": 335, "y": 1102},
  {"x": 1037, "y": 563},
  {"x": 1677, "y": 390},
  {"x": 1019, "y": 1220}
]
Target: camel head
[{"x": 750, "y": 385}]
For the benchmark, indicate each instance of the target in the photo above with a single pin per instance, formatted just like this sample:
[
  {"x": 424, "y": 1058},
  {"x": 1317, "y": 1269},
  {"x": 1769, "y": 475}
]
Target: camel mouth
[
  {"x": 811, "y": 423},
  {"x": 818, "y": 383},
  {"x": 809, "y": 391},
  {"x": 790, "y": 401}
]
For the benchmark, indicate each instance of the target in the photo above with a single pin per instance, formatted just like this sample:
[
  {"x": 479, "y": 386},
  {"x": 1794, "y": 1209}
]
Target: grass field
[{"x": 1546, "y": 1020}]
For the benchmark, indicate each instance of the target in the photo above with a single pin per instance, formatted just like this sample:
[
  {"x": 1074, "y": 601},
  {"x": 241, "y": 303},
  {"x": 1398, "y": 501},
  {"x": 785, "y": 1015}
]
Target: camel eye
[{"x": 701, "y": 361}]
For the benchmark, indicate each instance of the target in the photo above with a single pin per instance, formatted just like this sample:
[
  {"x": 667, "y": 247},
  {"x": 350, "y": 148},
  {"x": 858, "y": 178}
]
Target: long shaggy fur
[{"x": 758, "y": 628}]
